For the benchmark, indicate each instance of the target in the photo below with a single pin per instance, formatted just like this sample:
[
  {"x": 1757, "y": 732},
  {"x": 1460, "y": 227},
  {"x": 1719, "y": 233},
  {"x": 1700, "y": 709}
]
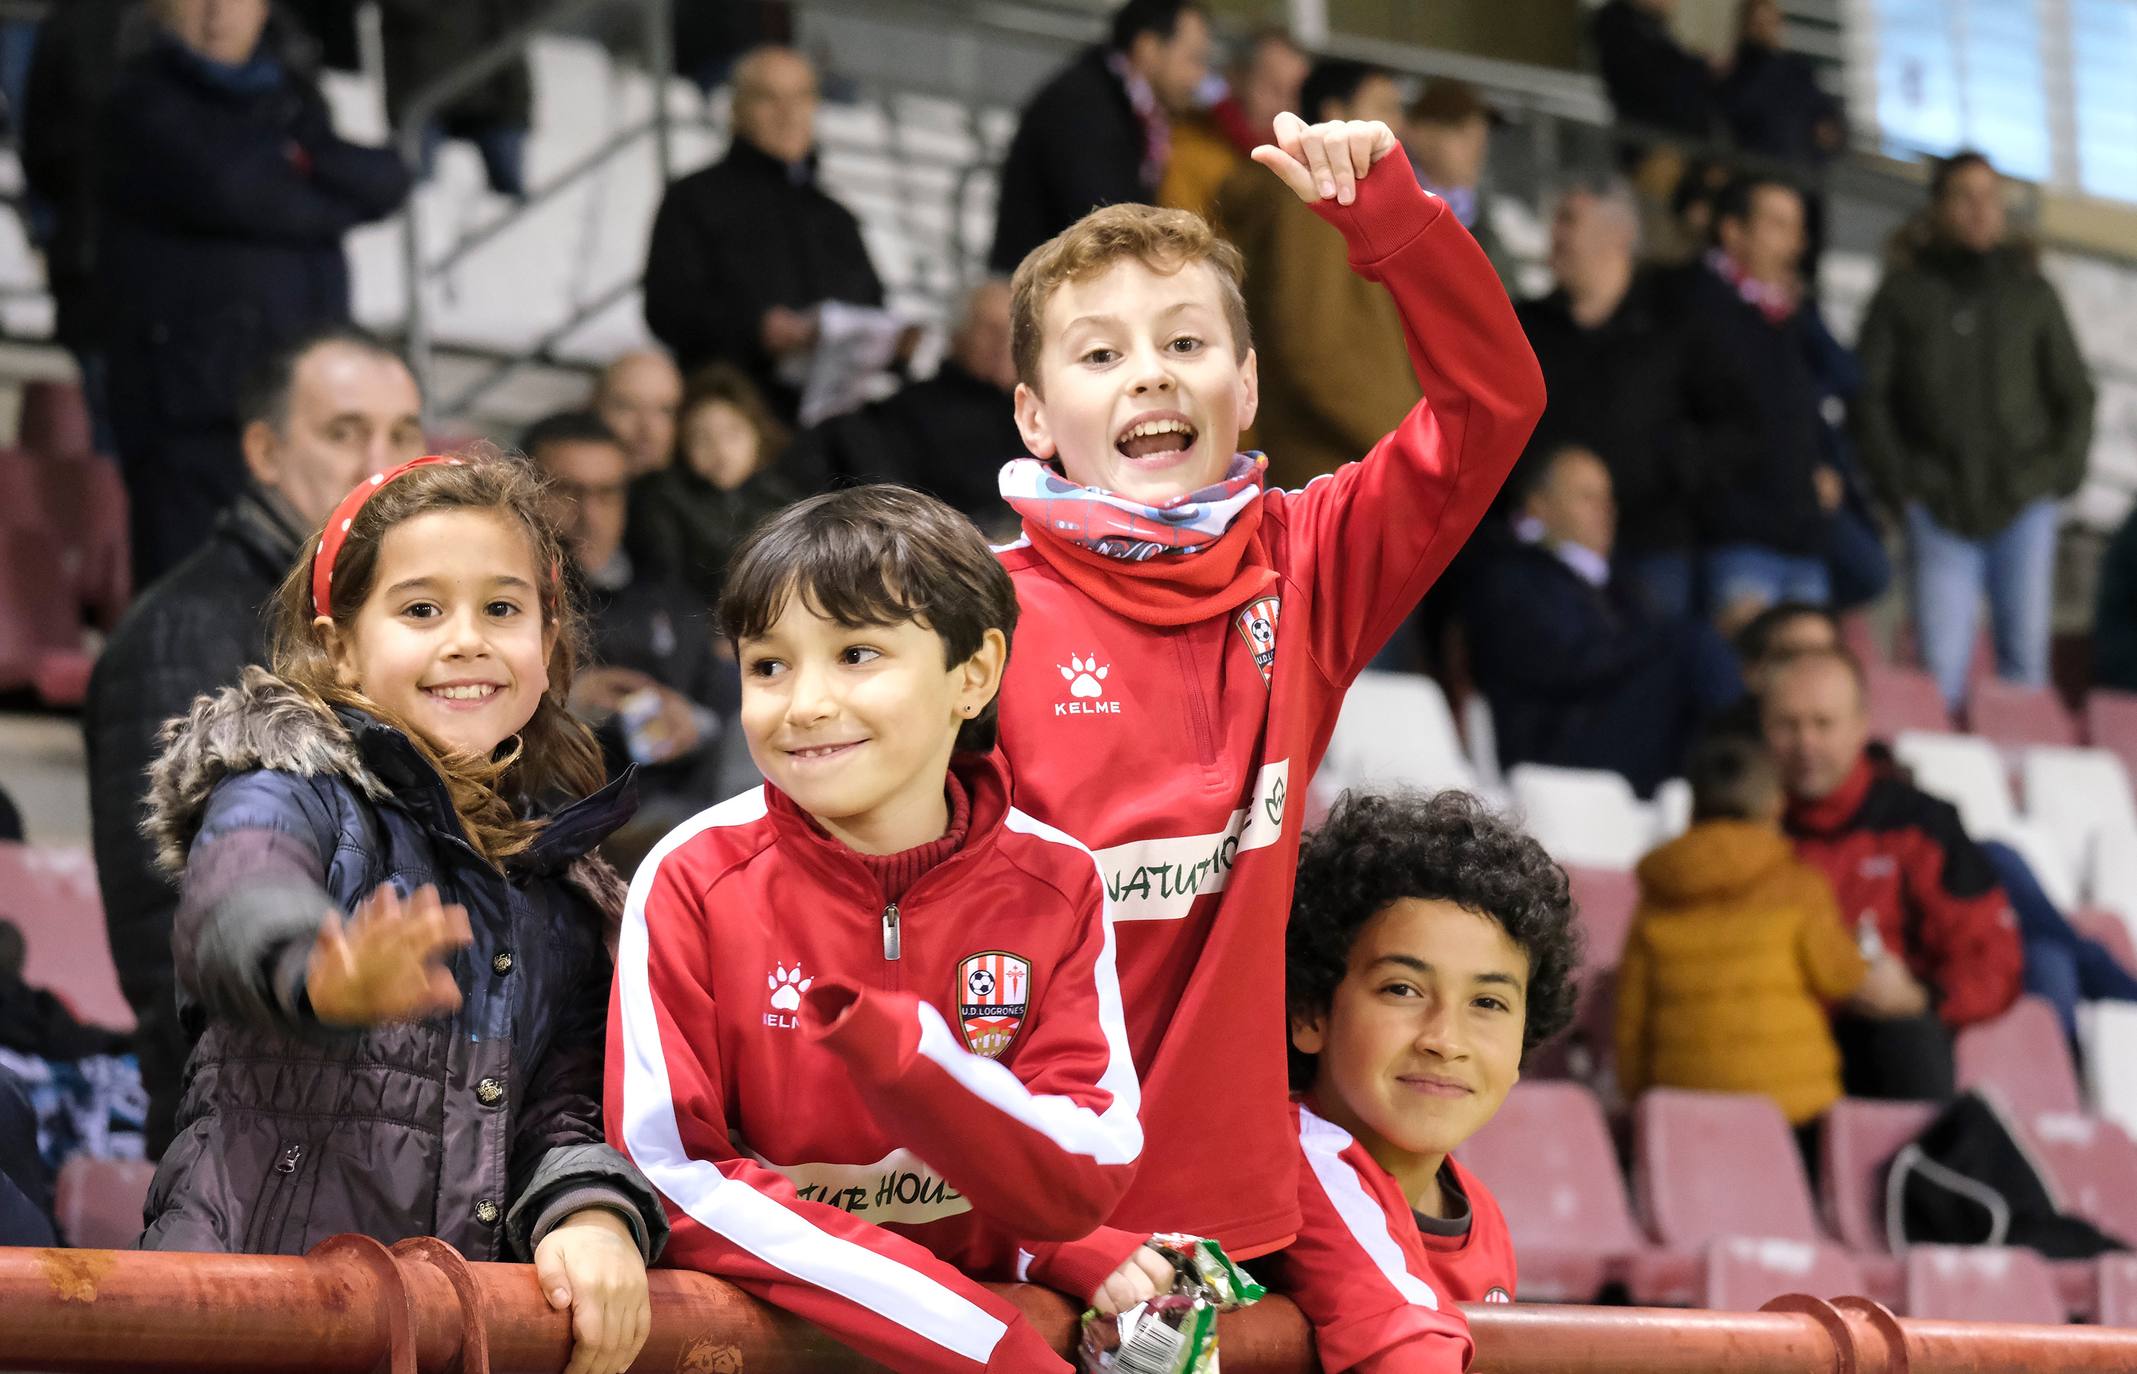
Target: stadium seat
[
  {"x": 2092, "y": 1164},
  {"x": 98, "y": 1202},
  {"x": 55, "y": 419},
  {"x": 1548, "y": 1159},
  {"x": 2015, "y": 716},
  {"x": 2108, "y": 1032},
  {"x": 1582, "y": 816},
  {"x": 2111, "y": 877},
  {"x": 2047, "y": 856},
  {"x": 2022, "y": 1057},
  {"x": 83, "y": 501},
  {"x": 1967, "y": 772},
  {"x": 2077, "y": 795},
  {"x": 1673, "y": 809},
  {"x": 1710, "y": 1166},
  {"x": 38, "y": 616},
  {"x": 1395, "y": 728},
  {"x": 51, "y": 895},
  {"x": 2118, "y": 1290},
  {"x": 1903, "y": 699},
  {"x": 1606, "y": 898},
  {"x": 1743, "y": 1274},
  {"x": 2111, "y": 724},
  {"x": 1859, "y": 1141},
  {"x": 1981, "y": 1283}
]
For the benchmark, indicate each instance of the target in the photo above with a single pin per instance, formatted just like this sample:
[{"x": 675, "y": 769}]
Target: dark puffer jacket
[{"x": 484, "y": 1128}]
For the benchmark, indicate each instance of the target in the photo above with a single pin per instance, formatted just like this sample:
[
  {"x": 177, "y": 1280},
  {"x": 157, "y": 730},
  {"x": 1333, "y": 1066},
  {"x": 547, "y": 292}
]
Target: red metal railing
[{"x": 352, "y": 1307}]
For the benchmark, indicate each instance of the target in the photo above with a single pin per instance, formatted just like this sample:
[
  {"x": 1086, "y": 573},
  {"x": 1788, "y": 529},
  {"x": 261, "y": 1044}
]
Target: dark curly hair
[{"x": 1377, "y": 848}]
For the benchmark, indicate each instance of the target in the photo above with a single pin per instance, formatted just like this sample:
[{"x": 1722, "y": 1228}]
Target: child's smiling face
[
  {"x": 1141, "y": 389},
  {"x": 1422, "y": 1039},
  {"x": 451, "y": 640}
]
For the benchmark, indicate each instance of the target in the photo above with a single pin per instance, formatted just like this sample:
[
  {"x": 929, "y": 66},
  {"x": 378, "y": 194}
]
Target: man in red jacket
[
  {"x": 1189, "y": 633},
  {"x": 1909, "y": 879}
]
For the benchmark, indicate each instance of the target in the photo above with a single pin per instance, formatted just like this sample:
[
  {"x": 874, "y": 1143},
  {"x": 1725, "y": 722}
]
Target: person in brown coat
[
  {"x": 1737, "y": 950},
  {"x": 1335, "y": 374}
]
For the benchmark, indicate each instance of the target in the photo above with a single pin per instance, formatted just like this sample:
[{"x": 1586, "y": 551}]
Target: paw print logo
[
  {"x": 1083, "y": 676},
  {"x": 787, "y": 986}
]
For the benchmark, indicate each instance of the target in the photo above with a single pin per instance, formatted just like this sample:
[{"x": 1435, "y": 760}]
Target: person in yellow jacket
[{"x": 1737, "y": 952}]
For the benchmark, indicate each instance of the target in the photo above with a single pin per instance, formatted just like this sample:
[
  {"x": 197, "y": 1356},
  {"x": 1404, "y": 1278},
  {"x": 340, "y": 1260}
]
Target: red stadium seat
[
  {"x": 2110, "y": 931},
  {"x": 98, "y": 1202},
  {"x": 1859, "y": 1141},
  {"x": 51, "y": 894},
  {"x": 2111, "y": 724},
  {"x": 83, "y": 501},
  {"x": 1606, "y": 898},
  {"x": 2015, "y": 716},
  {"x": 1981, "y": 1283},
  {"x": 1904, "y": 699},
  {"x": 2092, "y": 1163},
  {"x": 2022, "y": 1057},
  {"x": 1744, "y": 1275},
  {"x": 2118, "y": 1290},
  {"x": 55, "y": 420},
  {"x": 1548, "y": 1159},
  {"x": 37, "y": 615}
]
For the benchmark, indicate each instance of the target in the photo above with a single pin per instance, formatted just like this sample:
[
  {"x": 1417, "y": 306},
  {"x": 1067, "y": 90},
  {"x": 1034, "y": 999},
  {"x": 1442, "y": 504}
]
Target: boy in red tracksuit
[
  {"x": 866, "y": 1032},
  {"x": 1431, "y": 944},
  {"x": 1189, "y": 634}
]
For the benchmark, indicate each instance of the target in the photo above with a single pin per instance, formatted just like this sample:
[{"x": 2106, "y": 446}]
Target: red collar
[
  {"x": 1168, "y": 590},
  {"x": 1833, "y": 811},
  {"x": 977, "y": 789}
]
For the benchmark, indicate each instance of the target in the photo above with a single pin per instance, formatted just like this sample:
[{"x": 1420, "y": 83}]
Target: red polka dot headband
[{"x": 337, "y": 526}]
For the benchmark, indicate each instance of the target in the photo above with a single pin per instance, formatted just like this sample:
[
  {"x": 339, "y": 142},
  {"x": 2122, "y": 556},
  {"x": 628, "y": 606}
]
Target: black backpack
[{"x": 1969, "y": 1179}]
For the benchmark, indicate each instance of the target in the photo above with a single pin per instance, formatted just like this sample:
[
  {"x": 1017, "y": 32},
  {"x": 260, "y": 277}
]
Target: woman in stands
[{"x": 391, "y": 942}]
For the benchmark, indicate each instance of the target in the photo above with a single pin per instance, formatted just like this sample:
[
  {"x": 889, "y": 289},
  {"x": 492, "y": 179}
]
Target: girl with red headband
[{"x": 393, "y": 934}]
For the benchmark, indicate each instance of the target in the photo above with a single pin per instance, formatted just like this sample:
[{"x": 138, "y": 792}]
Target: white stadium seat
[
  {"x": 1395, "y": 729},
  {"x": 1582, "y": 816},
  {"x": 2108, "y": 1033},
  {"x": 1966, "y": 771},
  {"x": 2077, "y": 795}
]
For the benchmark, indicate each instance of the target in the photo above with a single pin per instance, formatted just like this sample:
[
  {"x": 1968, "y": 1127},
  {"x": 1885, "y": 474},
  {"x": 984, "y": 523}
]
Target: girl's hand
[
  {"x": 1143, "y": 1276},
  {"x": 1325, "y": 161},
  {"x": 590, "y": 1265},
  {"x": 388, "y": 963}
]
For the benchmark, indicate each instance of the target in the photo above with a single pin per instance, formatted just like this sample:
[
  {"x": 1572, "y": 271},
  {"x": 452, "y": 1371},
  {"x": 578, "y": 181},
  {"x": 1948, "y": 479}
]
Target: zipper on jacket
[
  {"x": 1195, "y": 694},
  {"x": 291, "y": 1157},
  {"x": 891, "y": 943}
]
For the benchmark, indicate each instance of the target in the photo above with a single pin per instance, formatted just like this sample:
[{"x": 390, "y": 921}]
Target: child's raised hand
[
  {"x": 1143, "y": 1276},
  {"x": 388, "y": 962},
  {"x": 589, "y": 1265},
  {"x": 1325, "y": 161}
]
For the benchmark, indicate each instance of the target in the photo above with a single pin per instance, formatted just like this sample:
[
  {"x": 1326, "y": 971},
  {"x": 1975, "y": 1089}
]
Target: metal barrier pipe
[{"x": 353, "y": 1305}]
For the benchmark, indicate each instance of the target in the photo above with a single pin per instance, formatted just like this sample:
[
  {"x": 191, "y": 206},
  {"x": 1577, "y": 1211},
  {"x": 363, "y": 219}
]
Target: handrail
[
  {"x": 422, "y": 107},
  {"x": 354, "y": 1306}
]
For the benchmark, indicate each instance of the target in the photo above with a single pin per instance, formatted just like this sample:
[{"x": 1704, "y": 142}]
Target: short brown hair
[
  {"x": 1733, "y": 779},
  {"x": 729, "y": 385},
  {"x": 876, "y": 555},
  {"x": 1162, "y": 240}
]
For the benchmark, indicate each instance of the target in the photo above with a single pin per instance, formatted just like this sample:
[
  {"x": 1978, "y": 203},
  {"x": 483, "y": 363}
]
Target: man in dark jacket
[
  {"x": 1771, "y": 97},
  {"x": 225, "y": 197},
  {"x": 1763, "y": 514},
  {"x": 948, "y": 435},
  {"x": 1579, "y": 671},
  {"x": 1975, "y": 417},
  {"x": 1653, "y": 82},
  {"x": 1909, "y": 878},
  {"x": 1098, "y": 132},
  {"x": 745, "y": 250},
  {"x": 319, "y": 415},
  {"x": 1628, "y": 379},
  {"x": 425, "y": 40}
]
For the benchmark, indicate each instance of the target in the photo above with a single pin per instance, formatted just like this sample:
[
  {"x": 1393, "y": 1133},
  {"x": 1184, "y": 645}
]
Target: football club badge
[
  {"x": 993, "y": 992},
  {"x": 1257, "y": 623}
]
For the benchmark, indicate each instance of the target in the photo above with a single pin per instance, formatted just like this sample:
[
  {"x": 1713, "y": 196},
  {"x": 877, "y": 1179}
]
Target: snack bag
[{"x": 1174, "y": 1332}]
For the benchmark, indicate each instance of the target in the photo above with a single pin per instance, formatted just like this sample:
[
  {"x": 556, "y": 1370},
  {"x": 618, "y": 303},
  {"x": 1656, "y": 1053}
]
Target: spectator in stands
[
  {"x": 426, "y": 40},
  {"x": 744, "y": 251},
  {"x": 1209, "y": 145},
  {"x": 1908, "y": 876},
  {"x": 1447, "y": 131},
  {"x": 1767, "y": 500},
  {"x": 1335, "y": 374},
  {"x": 1976, "y": 415},
  {"x": 1629, "y": 380},
  {"x": 1653, "y": 82},
  {"x": 652, "y": 688},
  {"x": 637, "y": 397},
  {"x": 1431, "y": 946},
  {"x": 2063, "y": 967},
  {"x": 1580, "y": 672},
  {"x": 1771, "y": 97},
  {"x": 1856, "y": 564},
  {"x": 687, "y": 518},
  {"x": 1098, "y": 133},
  {"x": 317, "y": 416},
  {"x": 1737, "y": 950},
  {"x": 226, "y": 193},
  {"x": 2114, "y": 625},
  {"x": 948, "y": 435}
]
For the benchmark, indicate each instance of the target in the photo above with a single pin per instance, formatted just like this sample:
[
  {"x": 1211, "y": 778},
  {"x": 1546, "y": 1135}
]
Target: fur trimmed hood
[{"x": 261, "y": 721}]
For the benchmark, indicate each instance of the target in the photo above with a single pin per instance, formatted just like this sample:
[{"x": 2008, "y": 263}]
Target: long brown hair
[{"x": 553, "y": 752}]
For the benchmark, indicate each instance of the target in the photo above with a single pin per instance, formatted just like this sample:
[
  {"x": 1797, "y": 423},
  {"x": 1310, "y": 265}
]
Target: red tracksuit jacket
[
  {"x": 1170, "y": 713},
  {"x": 788, "y": 1062},
  {"x": 1379, "y": 1294}
]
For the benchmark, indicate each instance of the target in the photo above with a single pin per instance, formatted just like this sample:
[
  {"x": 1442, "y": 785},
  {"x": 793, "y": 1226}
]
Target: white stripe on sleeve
[
  {"x": 1364, "y": 1218},
  {"x": 734, "y": 1210}
]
